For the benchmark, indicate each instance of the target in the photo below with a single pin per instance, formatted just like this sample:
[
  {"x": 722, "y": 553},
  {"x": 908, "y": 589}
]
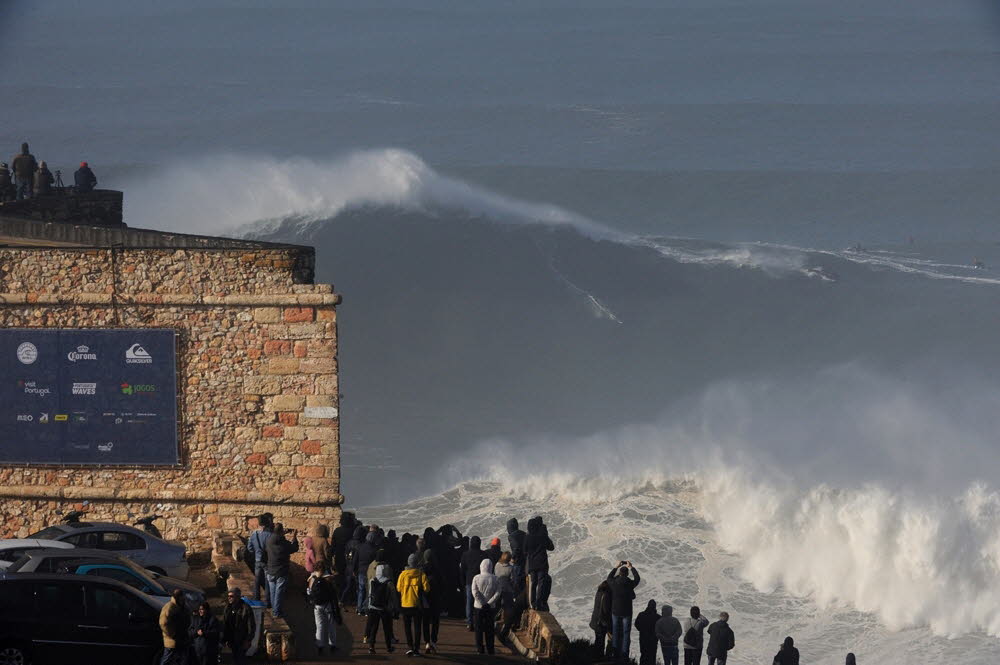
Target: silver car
[{"x": 161, "y": 556}]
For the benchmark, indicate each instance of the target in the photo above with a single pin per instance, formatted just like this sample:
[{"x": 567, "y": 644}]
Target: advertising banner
[{"x": 88, "y": 396}]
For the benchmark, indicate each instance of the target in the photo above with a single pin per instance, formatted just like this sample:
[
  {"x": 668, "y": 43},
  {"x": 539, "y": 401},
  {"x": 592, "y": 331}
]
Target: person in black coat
[
  {"x": 351, "y": 564},
  {"x": 278, "y": 568},
  {"x": 622, "y": 595},
  {"x": 205, "y": 633},
  {"x": 341, "y": 535},
  {"x": 788, "y": 654},
  {"x": 366, "y": 553},
  {"x": 84, "y": 179},
  {"x": 43, "y": 180},
  {"x": 645, "y": 623},
  {"x": 469, "y": 567},
  {"x": 721, "y": 640},
  {"x": 600, "y": 618},
  {"x": 537, "y": 546},
  {"x": 515, "y": 538}
]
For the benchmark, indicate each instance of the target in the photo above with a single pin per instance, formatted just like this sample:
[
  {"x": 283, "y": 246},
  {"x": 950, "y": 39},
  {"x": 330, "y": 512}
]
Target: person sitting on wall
[{"x": 84, "y": 179}]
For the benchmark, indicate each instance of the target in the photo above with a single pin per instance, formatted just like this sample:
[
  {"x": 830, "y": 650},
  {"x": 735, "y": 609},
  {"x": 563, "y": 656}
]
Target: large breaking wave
[{"x": 805, "y": 437}]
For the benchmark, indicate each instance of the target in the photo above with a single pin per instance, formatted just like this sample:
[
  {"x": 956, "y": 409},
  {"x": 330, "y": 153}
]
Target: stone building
[{"x": 257, "y": 381}]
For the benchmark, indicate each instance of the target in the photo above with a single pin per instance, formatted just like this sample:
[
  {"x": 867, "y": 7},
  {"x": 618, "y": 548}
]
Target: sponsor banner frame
[{"x": 90, "y": 397}]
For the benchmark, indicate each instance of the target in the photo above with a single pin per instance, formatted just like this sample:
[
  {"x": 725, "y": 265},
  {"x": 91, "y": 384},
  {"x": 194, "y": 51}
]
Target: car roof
[
  {"x": 13, "y": 543},
  {"x": 80, "y": 579},
  {"x": 75, "y": 552}
]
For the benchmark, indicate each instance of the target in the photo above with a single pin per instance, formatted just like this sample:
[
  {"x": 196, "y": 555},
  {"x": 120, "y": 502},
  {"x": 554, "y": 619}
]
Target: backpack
[
  {"x": 379, "y": 596},
  {"x": 692, "y": 636},
  {"x": 318, "y": 592}
]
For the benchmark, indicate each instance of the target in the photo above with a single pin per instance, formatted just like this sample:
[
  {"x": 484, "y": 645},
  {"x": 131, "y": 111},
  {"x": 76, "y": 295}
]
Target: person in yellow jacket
[{"x": 412, "y": 586}]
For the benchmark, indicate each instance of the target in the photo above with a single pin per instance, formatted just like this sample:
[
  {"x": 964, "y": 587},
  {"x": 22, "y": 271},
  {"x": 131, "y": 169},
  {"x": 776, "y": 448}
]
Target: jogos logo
[{"x": 138, "y": 388}]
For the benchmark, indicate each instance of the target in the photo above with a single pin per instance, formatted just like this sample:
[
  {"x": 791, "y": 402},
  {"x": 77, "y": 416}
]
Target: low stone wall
[
  {"x": 539, "y": 637},
  {"x": 101, "y": 206}
]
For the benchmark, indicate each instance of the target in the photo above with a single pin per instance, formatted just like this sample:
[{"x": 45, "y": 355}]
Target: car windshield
[{"x": 49, "y": 533}]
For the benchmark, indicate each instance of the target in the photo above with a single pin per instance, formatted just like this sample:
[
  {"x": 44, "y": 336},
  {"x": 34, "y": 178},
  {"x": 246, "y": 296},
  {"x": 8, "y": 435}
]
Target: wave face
[{"x": 805, "y": 437}]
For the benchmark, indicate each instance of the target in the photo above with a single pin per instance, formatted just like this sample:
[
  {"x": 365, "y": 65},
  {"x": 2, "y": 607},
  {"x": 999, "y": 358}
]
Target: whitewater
[{"x": 849, "y": 506}]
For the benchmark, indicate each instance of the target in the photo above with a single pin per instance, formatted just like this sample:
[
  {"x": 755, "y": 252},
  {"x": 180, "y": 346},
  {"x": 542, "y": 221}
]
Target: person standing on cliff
[
  {"x": 622, "y": 595},
  {"x": 470, "y": 568},
  {"x": 537, "y": 546},
  {"x": 645, "y": 623},
  {"x": 279, "y": 557},
  {"x": 7, "y": 191},
  {"x": 668, "y": 632},
  {"x": 721, "y": 640},
  {"x": 515, "y": 537},
  {"x": 84, "y": 179},
  {"x": 694, "y": 636},
  {"x": 24, "y": 166},
  {"x": 43, "y": 180},
  {"x": 257, "y": 545}
]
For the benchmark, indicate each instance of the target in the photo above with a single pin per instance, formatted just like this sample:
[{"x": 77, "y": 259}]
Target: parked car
[
  {"x": 59, "y": 619},
  {"x": 162, "y": 556},
  {"x": 11, "y": 549},
  {"x": 101, "y": 563}
]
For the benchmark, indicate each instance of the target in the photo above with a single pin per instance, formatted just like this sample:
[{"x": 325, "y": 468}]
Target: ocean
[{"x": 694, "y": 281}]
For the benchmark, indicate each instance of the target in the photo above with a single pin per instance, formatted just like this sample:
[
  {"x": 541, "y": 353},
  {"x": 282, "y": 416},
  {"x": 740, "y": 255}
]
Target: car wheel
[
  {"x": 158, "y": 570},
  {"x": 12, "y": 653}
]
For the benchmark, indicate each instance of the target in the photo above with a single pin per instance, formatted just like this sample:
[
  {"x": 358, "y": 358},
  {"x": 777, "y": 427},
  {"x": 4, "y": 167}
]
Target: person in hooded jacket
[
  {"x": 24, "y": 167},
  {"x": 622, "y": 595},
  {"x": 515, "y": 537},
  {"x": 668, "y": 632},
  {"x": 537, "y": 546},
  {"x": 850, "y": 660},
  {"x": 84, "y": 179},
  {"x": 351, "y": 564},
  {"x": 469, "y": 566},
  {"x": 317, "y": 546},
  {"x": 326, "y": 610},
  {"x": 486, "y": 598},
  {"x": 694, "y": 636},
  {"x": 645, "y": 623},
  {"x": 383, "y": 605},
  {"x": 600, "y": 618},
  {"x": 787, "y": 654},
  {"x": 43, "y": 180},
  {"x": 721, "y": 640},
  {"x": 366, "y": 553},
  {"x": 205, "y": 633},
  {"x": 412, "y": 585},
  {"x": 432, "y": 611},
  {"x": 341, "y": 536}
]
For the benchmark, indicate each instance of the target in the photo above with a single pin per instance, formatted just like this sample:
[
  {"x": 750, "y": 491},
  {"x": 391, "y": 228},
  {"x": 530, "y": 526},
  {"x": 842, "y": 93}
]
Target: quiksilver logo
[{"x": 136, "y": 355}]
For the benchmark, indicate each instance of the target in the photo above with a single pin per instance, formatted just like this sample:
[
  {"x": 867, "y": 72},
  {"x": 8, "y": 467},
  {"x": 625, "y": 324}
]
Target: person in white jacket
[{"x": 485, "y": 598}]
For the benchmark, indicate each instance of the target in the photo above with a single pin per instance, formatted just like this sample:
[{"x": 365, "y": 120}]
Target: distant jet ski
[{"x": 825, "y": 274}]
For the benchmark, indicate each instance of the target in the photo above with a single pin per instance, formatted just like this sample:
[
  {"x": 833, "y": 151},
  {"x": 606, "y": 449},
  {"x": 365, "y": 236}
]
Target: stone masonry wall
[{"x": 255, "y": 353}]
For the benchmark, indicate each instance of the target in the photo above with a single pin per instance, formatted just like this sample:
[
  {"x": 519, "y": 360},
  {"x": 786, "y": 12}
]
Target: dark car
[
  {"x": 62, "y": 619},
  {"x": 100, "y": 563}
]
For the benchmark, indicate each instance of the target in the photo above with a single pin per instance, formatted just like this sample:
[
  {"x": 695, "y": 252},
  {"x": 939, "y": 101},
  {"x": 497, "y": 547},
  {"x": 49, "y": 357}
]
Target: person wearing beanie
[
  {"x": 382, "y": 605},
  {"x": 84, "y": 179},
  {"x": 494, "y": 552},
  {"x": 24, "y": 167},
  {"x": 43, "y": 180},
  {"x": 412, "y": 585}
]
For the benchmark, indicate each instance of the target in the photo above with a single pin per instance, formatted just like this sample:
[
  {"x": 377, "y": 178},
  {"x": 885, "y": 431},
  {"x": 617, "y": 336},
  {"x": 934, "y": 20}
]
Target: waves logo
[
  {"x": 136, "y": 355},
  {"x": 138, "y": 389},
  {"x": 82, "y": 353},
  {"x": 84, "y": 388},
  {"x": 32, "y": 388}
]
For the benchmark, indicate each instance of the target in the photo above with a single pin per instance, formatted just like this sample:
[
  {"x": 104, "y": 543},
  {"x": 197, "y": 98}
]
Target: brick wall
[{"x": 256, "y": 353}]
